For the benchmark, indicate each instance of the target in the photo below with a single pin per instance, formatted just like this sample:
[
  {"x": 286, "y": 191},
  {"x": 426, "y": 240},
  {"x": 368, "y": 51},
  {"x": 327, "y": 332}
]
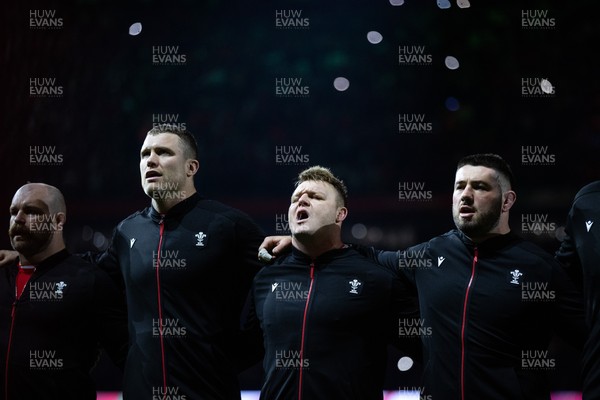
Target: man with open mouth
[
  {"x": 493, "y": 300},
  {"x": 327, "y": 313}
]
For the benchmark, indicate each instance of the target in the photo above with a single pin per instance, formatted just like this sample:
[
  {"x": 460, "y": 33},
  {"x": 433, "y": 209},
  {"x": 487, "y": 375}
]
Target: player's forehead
[
  {"x": 166, "y": 140},
  {"x": 30, "y": 196},
  {"x": 477, "y": 173},
  {"x": 311, "y": 186}
]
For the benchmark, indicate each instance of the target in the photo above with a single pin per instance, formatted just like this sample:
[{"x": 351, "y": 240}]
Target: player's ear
[
  {"x": 192, "y": 167},
  {"x": 509, "y": 199},
  {"x": 342, "y": 213}
]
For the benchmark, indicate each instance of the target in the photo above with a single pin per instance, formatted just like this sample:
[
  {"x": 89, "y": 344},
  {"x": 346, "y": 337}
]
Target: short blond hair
[{"x": 322, "y": 174}]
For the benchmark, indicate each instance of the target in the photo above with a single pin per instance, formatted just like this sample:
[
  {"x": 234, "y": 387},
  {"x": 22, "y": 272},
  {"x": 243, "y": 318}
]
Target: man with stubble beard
[
  {"x": 56, "y": 310},
  {"x": 491, "y": 299}
]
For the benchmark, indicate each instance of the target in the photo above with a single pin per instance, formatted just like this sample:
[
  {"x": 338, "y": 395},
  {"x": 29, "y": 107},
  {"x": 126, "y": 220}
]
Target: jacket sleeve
[
  {"x": 405, "y": 307},
  {"x": 248, "y": 238},
  {"x": 385, "y": 258},
  {"x": 108, "y": 261},
  {"x": 567, "y": 253},
  {"x": 251, "y": 337},
  {"x": 110, "y": 315},
  {"x": 569, "y": 312}
]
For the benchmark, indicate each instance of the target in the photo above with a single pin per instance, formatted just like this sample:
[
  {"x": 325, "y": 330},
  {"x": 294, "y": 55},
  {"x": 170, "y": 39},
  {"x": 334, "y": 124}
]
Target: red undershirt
[{"x": 23, "y": 276}]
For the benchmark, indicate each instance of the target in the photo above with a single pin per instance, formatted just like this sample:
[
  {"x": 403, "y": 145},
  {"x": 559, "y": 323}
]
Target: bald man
[{"x": 56, "y": 310}]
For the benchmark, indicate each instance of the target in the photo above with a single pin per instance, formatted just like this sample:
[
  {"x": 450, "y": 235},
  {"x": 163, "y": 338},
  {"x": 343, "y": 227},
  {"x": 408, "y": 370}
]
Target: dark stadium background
[{"x": 226, "y": 94}]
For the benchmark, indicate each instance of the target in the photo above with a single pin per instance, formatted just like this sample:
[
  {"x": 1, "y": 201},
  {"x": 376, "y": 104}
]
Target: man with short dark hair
[
  {"x": 187, "y": 264},
  {"x": 56, "y": 310},
  {"x": 327, "y": 313},
  {"x": 491, "y": 299}
]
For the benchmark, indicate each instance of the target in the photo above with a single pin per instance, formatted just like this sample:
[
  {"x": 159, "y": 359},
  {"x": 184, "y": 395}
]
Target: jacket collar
[
  {"x": 50, "y": 262},
  {"x": 491, "y": 244},
  {"x": 179, "y": 209},
  {"x": 324, "y": 258}
]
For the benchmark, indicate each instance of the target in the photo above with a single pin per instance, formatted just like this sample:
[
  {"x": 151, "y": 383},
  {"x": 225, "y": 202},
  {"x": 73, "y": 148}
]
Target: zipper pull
[{"x": 312, "y": 270}]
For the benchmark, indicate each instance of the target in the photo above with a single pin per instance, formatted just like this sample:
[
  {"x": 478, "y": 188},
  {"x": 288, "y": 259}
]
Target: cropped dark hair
[
  {"x": 490, "y": 160},
  {"x": 189, "y": 141}
]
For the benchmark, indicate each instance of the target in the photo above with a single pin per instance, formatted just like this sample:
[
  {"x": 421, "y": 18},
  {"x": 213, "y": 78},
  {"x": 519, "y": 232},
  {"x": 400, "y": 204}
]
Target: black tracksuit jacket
[
  {"x": 580, "y": 253},
  {"x": 51, "y": 337},
  {"x": 187, "y": 275},
  {"x": 492, "y": 308},
  {"x": 327, "y": 323}
]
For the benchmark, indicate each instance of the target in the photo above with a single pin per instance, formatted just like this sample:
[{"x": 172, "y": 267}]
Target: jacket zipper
[
  {"x": 312, "y": 279},
  {"x": 160, "y": 320},
  {"x": 464, "y": 323},
  {"x": 10, "y": 334},
  {"x": 13, "y": 312}
]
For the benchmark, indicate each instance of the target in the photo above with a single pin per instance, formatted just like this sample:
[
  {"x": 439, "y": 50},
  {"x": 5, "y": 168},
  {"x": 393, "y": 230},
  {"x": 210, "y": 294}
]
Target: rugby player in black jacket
[
  {"x": 492, "y": 300},
  {"x": 56, "y": 310},
  {"x": 327, "y": 313},
  {"x": 580, "y": 252},
  {"x": 187, "y": 263}
]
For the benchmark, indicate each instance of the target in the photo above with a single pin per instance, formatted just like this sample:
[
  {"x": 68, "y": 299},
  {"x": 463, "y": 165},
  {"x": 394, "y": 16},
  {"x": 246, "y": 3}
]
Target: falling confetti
[
  {"x": 135, "y": 29},
  {"x": 443, "y": 4},
  {"x": 405, "y": 363},
  {"x": 451, "y": 62},
  {"x": 463, "y": 3},
  {"x": 546, "y": 86},
  {"x": 341, "y": 84},
  {"x": 374, "y": 37},
  {"x": 396, "y": 2}
]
